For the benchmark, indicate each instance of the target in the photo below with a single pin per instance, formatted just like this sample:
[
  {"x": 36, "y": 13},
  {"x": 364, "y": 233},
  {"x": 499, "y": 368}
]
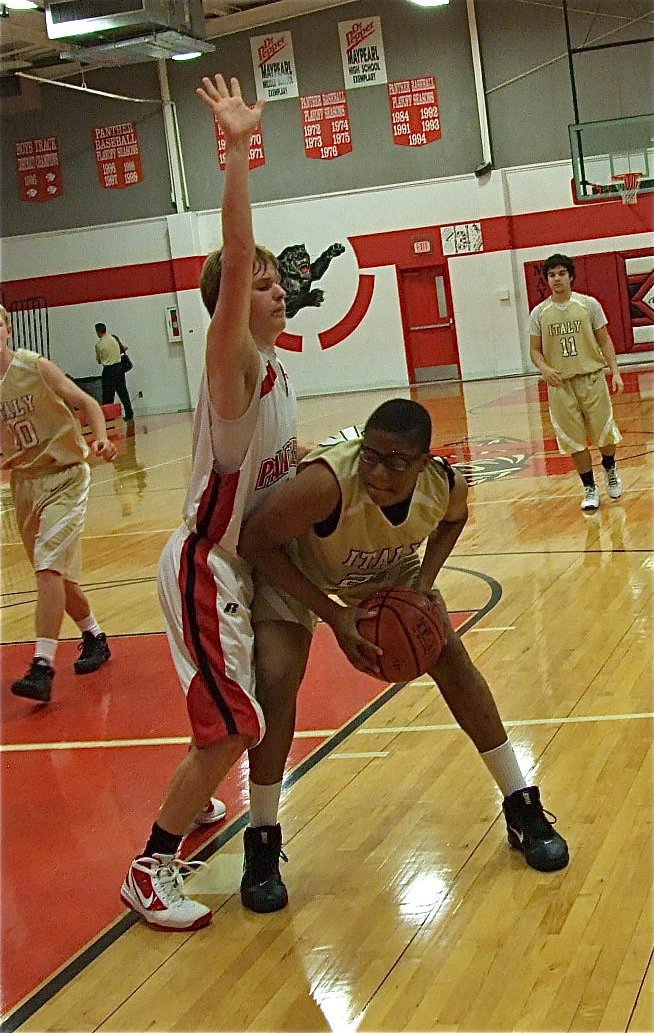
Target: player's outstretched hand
[
  {"x": 235, "y": 118},
  {"x": 103, "y": 449}
]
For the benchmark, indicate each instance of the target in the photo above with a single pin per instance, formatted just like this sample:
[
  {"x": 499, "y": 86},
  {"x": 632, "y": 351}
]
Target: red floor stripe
[{"x": 73, "y": 818}]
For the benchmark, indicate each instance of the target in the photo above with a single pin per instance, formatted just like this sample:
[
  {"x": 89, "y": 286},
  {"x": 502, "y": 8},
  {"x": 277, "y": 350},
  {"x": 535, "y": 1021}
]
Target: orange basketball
[{"x": 408, "y": 628}]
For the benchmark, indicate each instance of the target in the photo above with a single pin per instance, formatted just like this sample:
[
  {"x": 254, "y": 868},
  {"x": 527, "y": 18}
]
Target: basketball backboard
[{"x": 604, "y": 152}]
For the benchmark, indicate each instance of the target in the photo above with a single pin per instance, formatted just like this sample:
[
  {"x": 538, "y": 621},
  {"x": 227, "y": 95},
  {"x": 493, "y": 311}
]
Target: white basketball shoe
[{"x": 153, "y": 887}]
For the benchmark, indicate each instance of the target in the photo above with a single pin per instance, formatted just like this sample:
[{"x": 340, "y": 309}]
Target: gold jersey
[
  {"x": 365, "y": 547},
  {"x": 39, "y": 431},
  {"x": 568, "y": 339}
]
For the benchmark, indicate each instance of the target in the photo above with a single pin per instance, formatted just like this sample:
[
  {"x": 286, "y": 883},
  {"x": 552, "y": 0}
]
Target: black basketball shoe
[
  {"x": 262, "y": 889},
  {"x": 94, "y": 652},
  {"x": 37, "y": 683},
  {"x": 530, "y": 830}
]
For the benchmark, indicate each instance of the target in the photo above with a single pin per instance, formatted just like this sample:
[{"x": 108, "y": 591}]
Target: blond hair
[
  {"x": 5, "y": 316},
  {"x": 212, "y": 272}
]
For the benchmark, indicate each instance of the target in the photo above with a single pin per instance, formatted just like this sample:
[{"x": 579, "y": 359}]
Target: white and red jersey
[{"x": 237, "y": 462}]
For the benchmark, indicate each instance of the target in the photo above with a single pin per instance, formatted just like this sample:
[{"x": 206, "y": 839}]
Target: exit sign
[{"x": 422, "y": 247}]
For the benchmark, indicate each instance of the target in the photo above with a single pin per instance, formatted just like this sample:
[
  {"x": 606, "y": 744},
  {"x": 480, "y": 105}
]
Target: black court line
[
  {"x": 99, "y": 586},
  {"x": 89, "y": 954}
]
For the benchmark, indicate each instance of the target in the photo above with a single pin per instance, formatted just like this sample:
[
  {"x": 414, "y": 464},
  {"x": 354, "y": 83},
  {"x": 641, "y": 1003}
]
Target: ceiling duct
[{"x": 117, "y": 32}]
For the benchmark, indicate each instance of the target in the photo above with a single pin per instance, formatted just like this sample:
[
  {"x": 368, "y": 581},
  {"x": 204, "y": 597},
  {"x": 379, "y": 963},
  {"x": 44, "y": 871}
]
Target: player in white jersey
[
  {"x": 244, "y": 444},
  {"x": 570, "y": 343},
  {"x": 353, "y": 521}
]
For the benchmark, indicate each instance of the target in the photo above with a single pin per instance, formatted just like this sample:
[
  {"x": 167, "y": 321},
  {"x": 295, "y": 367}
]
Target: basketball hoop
[{"x": 628, "y": 183}]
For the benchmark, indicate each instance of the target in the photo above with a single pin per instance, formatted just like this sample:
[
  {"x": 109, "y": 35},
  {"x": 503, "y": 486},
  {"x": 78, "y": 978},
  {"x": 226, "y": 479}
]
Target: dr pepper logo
[
  {"x": 358, "y": 33},
  {"x": 269, "y": 48}
]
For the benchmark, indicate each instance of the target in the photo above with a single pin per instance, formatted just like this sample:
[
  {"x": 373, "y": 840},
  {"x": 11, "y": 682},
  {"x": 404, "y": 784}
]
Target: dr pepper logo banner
[
  {"x": 362, "y": 53},
  {"x": 38, "y": 169},
  {"x": 274, "y": 66},
  {"x": 118, "y": 156},
  {"x": 326, "y": 125},
  {"x": 415, "y": 119},
  {"x": 257, "y": 152}
]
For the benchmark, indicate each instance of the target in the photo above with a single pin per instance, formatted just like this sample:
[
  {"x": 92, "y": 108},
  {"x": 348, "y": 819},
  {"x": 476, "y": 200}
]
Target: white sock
[
  {"x": 46, "y": 648},
  {"x": 264, "y": 804},
  {"x": 503, "y": 766},
  {"x": 90, "y": 624}
]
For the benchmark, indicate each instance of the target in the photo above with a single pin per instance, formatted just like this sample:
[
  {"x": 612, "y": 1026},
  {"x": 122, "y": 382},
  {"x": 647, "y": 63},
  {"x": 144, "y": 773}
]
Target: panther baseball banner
[
  {"x": 362, "y": 53},
  {"x": 257, "y": 152},
  {"x": 274, "y": 66},
  {"x": 38, "y": 169},
  {"x": 118, "y": 156},
  {"x": 415, "y": 119},
  {"x": 326, "y": 125}
]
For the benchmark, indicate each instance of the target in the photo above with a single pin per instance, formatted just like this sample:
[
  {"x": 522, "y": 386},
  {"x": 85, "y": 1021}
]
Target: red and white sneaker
[
  {"x": 214, "y": 811},
  {"x": 153, "y": 887}
]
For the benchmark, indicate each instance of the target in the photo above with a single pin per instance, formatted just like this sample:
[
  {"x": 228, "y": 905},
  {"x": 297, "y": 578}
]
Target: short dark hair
[
  {"x": 404, "y": 417},
  {"x": 100, "y": 328},
  {"x": 554, "y": 260}
]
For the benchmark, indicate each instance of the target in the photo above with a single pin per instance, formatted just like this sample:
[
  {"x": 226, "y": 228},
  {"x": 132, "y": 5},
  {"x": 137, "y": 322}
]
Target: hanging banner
[
  {"x": 274, "y": 66},
  {"x": 326, "y": 125},
  {"x": 118, "y": 156},
  {"x": 415, "y": 119},
  {"x": 38, "y": 169},
  {"x": 257, "y": 153},
  {"x": 362, "y": 53}
]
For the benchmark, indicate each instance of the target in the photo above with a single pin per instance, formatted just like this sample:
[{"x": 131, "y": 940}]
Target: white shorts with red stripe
[{"x": 206, "y": 598}]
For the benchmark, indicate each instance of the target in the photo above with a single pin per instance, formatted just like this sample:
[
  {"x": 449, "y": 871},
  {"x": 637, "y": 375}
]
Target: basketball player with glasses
[
  {"x": 244, "y": 447},
  {"x": 570, "y": 344},
  {"x": 353, "y": 521}
]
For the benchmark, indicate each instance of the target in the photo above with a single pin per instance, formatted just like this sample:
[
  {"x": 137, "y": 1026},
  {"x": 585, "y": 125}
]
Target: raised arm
[
  {"x": 231, "y": 355},
  {"x": 78, "y": 399}
]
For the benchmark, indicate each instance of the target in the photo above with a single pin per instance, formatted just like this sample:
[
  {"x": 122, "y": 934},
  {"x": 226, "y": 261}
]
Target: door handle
[{"x": 432, "y": 326}]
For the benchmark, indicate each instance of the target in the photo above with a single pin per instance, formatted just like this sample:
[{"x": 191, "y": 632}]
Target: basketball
[{"x": 408, "y": 628}]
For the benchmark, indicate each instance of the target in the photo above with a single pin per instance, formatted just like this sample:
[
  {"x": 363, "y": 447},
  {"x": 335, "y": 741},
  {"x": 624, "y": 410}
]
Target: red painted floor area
[{"x": 72, "y": 818}]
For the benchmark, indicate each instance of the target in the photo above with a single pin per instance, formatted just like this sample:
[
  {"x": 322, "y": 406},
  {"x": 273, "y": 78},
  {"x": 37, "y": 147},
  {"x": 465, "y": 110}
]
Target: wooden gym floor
[{"x": 407, "y": 908}]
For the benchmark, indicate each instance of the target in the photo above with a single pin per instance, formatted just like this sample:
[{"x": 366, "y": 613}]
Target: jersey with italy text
[
  {"x": 567, "y": 334},
  {"x": 222, "y": 492},
  {"x": 40, "y": 433},
  {"x": 365, "y": 545}
]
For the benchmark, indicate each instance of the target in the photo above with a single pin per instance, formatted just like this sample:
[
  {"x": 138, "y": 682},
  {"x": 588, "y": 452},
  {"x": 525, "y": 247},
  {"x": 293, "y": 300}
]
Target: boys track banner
[{"x": 39, "y": 169}]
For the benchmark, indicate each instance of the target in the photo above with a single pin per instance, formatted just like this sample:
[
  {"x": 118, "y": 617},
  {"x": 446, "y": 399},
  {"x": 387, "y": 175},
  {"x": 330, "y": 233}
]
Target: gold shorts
[
  {"x": 50, "y": 511},
  {"x": 581, "y": 409}
]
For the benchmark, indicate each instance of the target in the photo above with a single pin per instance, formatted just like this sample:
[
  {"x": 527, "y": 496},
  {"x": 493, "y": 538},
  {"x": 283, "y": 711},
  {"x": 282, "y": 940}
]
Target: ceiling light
[
  {"x": 430, "y": 3},
  {"x": 187, "y": 57},
  {"x": 20, "y": 5}
]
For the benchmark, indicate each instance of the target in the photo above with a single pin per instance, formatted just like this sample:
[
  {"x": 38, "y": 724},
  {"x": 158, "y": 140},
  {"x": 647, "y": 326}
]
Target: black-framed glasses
[{"x": 397, "y": 462}]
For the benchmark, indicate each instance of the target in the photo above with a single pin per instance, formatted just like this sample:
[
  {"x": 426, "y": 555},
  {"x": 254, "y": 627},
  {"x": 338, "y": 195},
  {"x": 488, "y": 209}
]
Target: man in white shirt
[{"x": 107, "y": 352}]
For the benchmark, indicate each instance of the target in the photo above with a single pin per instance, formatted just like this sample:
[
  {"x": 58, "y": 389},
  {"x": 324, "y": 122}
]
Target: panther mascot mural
[{"x": 299, "y": 272}]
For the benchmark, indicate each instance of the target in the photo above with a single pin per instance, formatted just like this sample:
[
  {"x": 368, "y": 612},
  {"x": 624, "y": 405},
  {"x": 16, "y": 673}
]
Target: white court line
[
  {"x": 356, "y": 756},
  {"x": 313, "y": 733},
  {"x": 509, "y": 724},
  {"x": 145, "y": 469},
  {"x": 115, "y": 534},
  {"x": 540, "y": 498},
  {"x": 510, "y": 627}
]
